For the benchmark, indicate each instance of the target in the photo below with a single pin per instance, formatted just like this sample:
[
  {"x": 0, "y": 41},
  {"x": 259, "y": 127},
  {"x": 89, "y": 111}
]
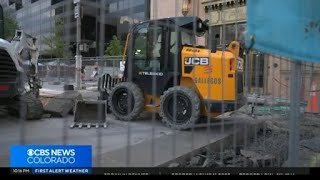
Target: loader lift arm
[{"x": 26, "y": 46}]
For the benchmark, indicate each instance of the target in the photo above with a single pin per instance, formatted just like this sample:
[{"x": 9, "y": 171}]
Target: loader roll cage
[
  {"x": 179, "y": 31},
  {"x": 154, "y": 50}
]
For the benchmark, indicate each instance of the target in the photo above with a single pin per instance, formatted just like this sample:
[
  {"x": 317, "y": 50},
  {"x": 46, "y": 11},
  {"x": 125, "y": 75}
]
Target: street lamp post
[{"x": 77, "y": 15}]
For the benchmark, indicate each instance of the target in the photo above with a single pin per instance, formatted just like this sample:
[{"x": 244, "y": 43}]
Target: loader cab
[{"x": 154, "y": 51}]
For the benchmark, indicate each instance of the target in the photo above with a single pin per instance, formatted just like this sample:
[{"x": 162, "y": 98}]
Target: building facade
[
  {"x": 268, "y": 74},
  {"x": 101, "y": 19},
  {"x": 172, "y": 8}
]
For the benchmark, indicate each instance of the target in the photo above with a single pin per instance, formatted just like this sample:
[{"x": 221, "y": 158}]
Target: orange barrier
[{"x": 313, "y": 104}]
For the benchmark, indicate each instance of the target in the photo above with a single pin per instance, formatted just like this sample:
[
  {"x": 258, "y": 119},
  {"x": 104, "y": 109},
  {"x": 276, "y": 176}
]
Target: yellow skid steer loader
[{"x": 167, "y": 73}]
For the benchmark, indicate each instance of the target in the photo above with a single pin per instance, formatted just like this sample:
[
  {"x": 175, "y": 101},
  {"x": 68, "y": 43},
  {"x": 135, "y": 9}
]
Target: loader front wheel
[
  {"x": 126, "y": 101},
  {"x": 180, "y": 108}
]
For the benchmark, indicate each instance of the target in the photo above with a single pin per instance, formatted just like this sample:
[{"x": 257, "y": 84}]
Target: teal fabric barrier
[{"x": 289, "y": 28}]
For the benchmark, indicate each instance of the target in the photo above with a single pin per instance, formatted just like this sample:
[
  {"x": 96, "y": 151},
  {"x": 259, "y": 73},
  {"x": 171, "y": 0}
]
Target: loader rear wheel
[
  {"x": 126, "y": 101},
  {"x": 186, "y": 113}
]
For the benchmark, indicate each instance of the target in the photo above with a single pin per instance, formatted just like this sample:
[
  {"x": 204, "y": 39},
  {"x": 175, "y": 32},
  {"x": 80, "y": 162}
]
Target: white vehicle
[{"x": 12, "y": 76}]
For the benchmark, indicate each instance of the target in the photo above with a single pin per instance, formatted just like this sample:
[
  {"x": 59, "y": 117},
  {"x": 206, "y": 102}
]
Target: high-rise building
[{"x": 101, "y": 19}]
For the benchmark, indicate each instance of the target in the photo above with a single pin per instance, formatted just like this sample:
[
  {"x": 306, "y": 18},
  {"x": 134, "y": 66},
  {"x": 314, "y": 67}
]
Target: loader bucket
[{"x": 90, "y": 114}]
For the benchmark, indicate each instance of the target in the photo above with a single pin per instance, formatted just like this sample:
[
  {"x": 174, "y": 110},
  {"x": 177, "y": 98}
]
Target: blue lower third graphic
[{"x": 52, "y": 159}]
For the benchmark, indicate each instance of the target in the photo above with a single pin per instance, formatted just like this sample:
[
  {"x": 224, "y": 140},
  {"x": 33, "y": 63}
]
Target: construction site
[{"x": 191, "y": 85}]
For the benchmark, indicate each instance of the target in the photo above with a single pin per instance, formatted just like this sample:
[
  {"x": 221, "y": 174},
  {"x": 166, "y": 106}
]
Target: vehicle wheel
[
  {"x": 126, "y": 101},
  {"x": 27, "y": 105},
  {"x": 187, "y": 109}
]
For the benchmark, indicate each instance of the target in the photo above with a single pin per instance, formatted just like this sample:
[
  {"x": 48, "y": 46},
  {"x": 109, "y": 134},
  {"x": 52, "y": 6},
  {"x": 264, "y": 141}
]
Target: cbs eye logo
[
  {"x": 38, "y": 152},
  {"x": 30, "y": 152}
]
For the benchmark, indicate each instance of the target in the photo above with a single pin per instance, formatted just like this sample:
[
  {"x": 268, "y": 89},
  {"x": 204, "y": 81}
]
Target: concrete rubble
[
  {"x": 239, "y": 157},
  {"x": 46, "y": 116},
  {"x": 197, "y": 160},
  {"x": 270, "y": 146},
  {"x": 173, "y": 165},
  {"x": 61, "y": 105},
  {"x": 312, "y": 144}
]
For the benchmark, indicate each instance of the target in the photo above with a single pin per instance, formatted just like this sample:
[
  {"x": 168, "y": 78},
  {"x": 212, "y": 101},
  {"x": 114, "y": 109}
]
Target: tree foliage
[
  {"x": 115, "y": 47},
  {"x": 56, "y": 46},
  {"x": 10, "y": 26}
]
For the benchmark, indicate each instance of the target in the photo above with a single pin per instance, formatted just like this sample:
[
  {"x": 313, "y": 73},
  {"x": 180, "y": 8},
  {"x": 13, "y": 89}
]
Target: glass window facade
[
  {"x": 114, "y": 17},
  {"x": 118, "y": 16},
  {"x": 231, "y": 32}
]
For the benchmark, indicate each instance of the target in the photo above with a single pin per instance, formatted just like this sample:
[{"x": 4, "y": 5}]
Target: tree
[
  {"x": 115, "y": 47},
  {"x": 10, "y": 26},
  {"x": 57, "y": 47}
]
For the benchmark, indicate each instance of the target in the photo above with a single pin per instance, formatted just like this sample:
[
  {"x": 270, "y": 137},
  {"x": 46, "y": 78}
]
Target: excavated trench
[{"x": 267, "y": 148}]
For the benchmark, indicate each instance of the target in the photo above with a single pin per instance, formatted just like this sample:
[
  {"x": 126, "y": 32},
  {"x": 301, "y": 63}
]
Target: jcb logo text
[{"x": 196, "y": 61}]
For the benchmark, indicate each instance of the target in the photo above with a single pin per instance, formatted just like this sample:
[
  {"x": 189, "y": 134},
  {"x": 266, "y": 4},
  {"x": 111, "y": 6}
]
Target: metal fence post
[
  {"x": 59, "y": 70},
  {"x": 78, "y": 53},
  {"x": 247, "y": 75},
  {"x": 47, "y": 71},
  {"x": 294, "y": 121},
  {"x": 105, "y": 64},
  {"x": 113, "y": 66}
]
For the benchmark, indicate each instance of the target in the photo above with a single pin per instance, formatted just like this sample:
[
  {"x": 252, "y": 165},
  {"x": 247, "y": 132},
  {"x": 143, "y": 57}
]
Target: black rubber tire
[
  {"x": 194, "y": 109},
  {"x": 28, "y": 106},
  {"x": 137, "y": 98}
]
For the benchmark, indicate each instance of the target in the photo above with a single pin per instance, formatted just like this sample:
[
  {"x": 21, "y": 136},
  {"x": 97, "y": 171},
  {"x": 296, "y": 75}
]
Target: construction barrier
[{"x": 313, "y": 104}]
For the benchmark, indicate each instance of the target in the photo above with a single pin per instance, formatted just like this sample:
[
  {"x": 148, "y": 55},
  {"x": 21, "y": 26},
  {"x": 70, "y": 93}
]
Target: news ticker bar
[{"x": 160, "y": 171}]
